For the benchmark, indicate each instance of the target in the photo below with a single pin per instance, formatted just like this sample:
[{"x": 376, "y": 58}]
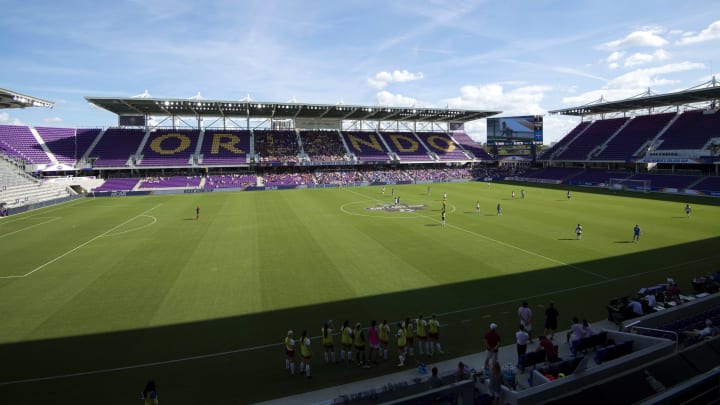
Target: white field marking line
[
  {"x": 529, "y": 252},
  {"x": 260, "y": 347},
  {"x": 368, "y": 198},
  {"x": 154, "y": 220},
  {"x": 52, "y": 219},
  {"x": 507, "y": 244},
  {"x": 81, "y": 245},
  {"x": 21, "y": 217}
]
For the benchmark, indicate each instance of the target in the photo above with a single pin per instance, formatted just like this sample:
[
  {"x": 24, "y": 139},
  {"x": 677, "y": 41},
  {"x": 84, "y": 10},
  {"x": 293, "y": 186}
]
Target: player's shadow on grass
[
  {"x": 432, "y": 224},
  {"x": 679, "y": 217},
  {"x": 568, "y": 239},
  {"x": 188, "y": 219},
  {"x": 623, "y": 241}
]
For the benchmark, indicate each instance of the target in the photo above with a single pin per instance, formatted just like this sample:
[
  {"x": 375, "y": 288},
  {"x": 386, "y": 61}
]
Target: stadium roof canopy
[
  {"x": 279, "y": 111},
  {"x": 707, "y": 92},
  {"x": 11, "y": 99}
]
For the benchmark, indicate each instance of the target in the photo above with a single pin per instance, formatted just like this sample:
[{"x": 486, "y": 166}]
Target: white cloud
[
  {"x": 53, "y": 120},
  {"x": 644, "y": 58},
  {"x": 615, "y": 56},
  {"x": 613, "y": 66},
  {"x": 7, "y": 120},
  {"x": 637, "y": 38},
  {"x": 633, "y": 83},
  {"x": 382, "y": 79},
  {"x": 387, "y": 99},
  {"x": 493, "y": 97},
  {"x": 709, "y": 33}
]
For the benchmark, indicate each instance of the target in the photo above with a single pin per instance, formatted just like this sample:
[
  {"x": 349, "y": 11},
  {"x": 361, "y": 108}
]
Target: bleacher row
[
  {"x": 123, "y": 147},
  {"x": 239, "y": 181},
  {"x": 629, "y": 138}
]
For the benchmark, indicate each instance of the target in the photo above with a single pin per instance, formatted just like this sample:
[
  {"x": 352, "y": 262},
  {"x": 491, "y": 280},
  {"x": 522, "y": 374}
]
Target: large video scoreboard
[{"x": 524, "y": 130}]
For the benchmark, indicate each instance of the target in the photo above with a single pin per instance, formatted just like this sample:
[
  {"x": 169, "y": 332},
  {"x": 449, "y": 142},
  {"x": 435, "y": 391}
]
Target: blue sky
[{"x": 520, "y": 57}]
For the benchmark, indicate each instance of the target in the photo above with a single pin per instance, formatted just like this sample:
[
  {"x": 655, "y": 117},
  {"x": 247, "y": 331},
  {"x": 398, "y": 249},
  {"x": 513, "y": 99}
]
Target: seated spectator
[
  {"x": 636, "y": 307},
  {"x": 462, "y": 373},
  {"x": 550, "y": 350},
  {"x": 707, "y": 331},
  {"x": 435, "y": 381},
  {"x": 586, "y": 329},
  {"x": 651, "y": 301}
]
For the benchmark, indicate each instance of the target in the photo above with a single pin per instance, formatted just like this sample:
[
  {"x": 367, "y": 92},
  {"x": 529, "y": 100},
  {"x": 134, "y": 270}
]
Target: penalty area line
[{"x": 109, "y": 231}]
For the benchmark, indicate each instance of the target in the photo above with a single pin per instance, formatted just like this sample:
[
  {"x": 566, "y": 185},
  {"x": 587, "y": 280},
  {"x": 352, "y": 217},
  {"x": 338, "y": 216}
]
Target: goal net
[{"x": 630, "y": 185}]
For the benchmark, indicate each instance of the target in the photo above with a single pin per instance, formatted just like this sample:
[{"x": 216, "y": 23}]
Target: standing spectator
[
  {"x": 305, "y": 354},
  {"x": 551, "y": 318},
  {"x": 575, "y": 334},
  {"x": 290, "y": 352},
  {"x": 374, "y": 338},
  {"x": 522, "y": 338},
  {"x": 328, "y": 342},
  {"x": 495, "y": 383},
  {"x": 525, "y": 315},
  {"x": 149, "y": 394},
  {"x": 492, "y": 343},
  {"x": 434, "y": 334}
]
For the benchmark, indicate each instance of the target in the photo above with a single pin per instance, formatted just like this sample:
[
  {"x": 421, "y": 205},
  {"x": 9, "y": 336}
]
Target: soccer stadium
[{"x": 186, "y": 252}]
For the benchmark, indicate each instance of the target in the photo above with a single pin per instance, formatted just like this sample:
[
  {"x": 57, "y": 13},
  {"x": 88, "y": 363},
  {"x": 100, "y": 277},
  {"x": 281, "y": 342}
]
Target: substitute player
[
  {"x": 434, "y": 334},
  {"x": 409, "y": 336},
  {"x": 384, "y": 334},
  {"x": 421, "y": 328},
  {"x": 328, "y": 341},
  {"x": 346, "y": 341},
  {"x": 290, "y": 352},
  {"x": 306, "y": 353},
  {"x": 359, "y": 343},
  {"x": 401, "y": 342}
]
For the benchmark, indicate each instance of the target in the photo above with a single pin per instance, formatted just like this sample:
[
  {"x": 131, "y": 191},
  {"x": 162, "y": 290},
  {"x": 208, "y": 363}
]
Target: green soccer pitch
[{"x": 99, "y": 295}]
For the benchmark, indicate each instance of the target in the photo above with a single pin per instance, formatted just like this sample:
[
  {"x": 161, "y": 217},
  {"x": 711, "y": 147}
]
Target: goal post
[{"x": 629, "y": 185}]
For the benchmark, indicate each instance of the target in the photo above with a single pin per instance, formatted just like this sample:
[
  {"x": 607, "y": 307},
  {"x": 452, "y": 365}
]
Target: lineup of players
[{"x": 408, "y": 335}]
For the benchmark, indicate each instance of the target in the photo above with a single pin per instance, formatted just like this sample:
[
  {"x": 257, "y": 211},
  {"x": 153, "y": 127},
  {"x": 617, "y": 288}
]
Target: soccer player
[
  {"x": 346, "y": 342},
  {"x": 442, "y": 218},
  {"x": 421, "y": 328},
  {"x": 513, "y": 194},
  {"x": 578, "y": 231},
  {"x": 197, "y": 212},
  {"x": 359, "y": 343},
  {"x": 568, "y": 195},
  {"x": 477, "y": 207},
  {"x": 328, "y": 342},
  {"x": 290, "y": 352},
  {"x": 636, "y": 233},
  {"x": 499, "y": 210},
  {"x": 409, "y": 336},
  {"x": 434, "y": 334},
  {"x": 305, "y": 353},
  {"x": 374, "y": 338},
  {"x": 401, "y": 342},
  {"x": 383, "y": 190},
  {"x": 688, "y": 210},
  {"x": 384, "y": 334},
  {"x": 428, "y": 190},
  {"x": 445, "y": 196},
  {"x": 522, "y": 194}
]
